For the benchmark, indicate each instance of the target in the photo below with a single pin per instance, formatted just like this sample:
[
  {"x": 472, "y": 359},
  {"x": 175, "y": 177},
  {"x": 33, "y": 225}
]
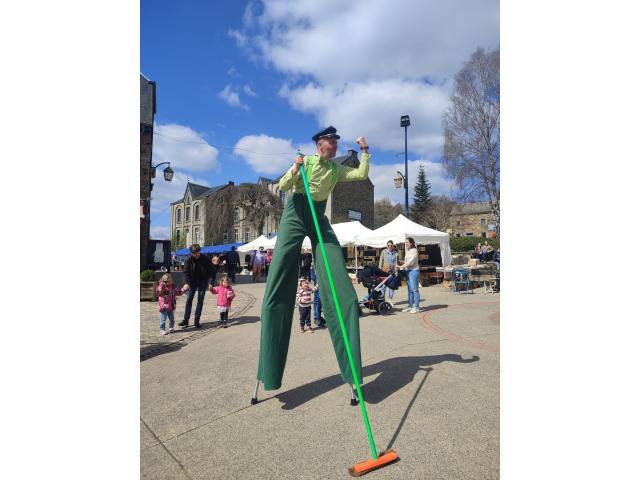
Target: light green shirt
[{"x": 324, "y": 176}]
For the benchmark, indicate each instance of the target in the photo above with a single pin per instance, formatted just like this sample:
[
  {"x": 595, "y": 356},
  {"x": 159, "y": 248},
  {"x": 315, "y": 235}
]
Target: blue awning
[{"x": 224, "y": 247}]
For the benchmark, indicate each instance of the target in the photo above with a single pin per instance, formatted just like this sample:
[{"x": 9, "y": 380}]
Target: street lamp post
[{"x": 405, "y": 122}]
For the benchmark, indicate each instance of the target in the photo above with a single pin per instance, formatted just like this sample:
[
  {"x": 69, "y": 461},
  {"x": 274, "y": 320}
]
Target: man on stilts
[{"x": 296, "y": 223}]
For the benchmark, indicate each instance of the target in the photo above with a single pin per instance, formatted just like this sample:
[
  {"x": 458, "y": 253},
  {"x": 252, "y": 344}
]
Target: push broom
[{"x": 388, "y": 456}]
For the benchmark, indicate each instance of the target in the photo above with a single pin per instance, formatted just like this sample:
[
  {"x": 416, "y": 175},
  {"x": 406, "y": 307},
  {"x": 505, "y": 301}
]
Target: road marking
[{"x": 428, "y": 323}]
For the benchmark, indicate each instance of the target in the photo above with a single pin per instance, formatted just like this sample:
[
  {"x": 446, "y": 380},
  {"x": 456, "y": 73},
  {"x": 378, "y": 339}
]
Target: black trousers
[{"x": 305, "y": 316}]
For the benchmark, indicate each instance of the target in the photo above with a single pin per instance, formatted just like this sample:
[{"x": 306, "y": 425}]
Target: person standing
[
  {"x": 217, "y": 263},
  {"x": 258, "y": 264},
  {"x": 233, "y": 262},
  {"x": 198, "y": 269},
  {"x": 413, "y": 273},
  {"x": 267, "y": 261},
  {"x": 297, "y": 222},
  {"x": 388, "y": 260},
  {"x": 318, "y": 319},
  {"x": 305, "y": 264},
  {"x": 304, "y": 301}
]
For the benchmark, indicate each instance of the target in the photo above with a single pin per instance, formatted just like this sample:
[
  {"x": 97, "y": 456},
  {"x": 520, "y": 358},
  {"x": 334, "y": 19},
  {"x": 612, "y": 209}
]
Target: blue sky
[{"x": 241, "y": 85}]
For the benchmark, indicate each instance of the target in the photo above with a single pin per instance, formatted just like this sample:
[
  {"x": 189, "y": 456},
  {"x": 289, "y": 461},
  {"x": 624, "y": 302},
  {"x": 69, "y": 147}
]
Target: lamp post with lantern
[{"x": 400, "y": 179}]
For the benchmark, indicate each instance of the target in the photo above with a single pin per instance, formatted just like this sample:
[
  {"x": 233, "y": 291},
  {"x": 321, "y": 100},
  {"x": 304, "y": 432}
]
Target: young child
[
  {"x": 225, "y": 296},
  {"x": 167, "y": 293},
  {"x": 304, "y": 299}
]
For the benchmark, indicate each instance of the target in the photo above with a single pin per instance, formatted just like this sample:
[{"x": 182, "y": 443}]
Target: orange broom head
[{"x": 387, "y": 457}]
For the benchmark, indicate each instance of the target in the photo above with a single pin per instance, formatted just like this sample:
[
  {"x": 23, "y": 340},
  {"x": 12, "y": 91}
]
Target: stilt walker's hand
[{"x": 298, "y": 161}]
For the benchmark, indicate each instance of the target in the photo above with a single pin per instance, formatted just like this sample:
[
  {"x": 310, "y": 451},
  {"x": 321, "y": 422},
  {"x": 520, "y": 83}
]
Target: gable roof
[{"x": 200, "y": 191}]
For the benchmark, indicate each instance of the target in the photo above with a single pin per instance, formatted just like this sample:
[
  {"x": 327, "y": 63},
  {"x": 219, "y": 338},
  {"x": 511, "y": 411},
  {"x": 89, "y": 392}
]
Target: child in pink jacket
[
  {"x": 225, "y": 296},
  {"x": 167, "y": 293}
]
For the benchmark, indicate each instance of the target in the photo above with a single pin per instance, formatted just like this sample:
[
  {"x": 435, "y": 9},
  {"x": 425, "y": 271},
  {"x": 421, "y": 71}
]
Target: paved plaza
[{"x": 431, "y": 386}]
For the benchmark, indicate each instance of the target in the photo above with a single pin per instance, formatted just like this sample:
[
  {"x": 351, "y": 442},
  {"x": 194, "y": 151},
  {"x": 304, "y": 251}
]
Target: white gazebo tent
[
  {"x": 261, "y": 241},
  {"x": 398, "y": 229},
  {"x": 346, "y": 232}
]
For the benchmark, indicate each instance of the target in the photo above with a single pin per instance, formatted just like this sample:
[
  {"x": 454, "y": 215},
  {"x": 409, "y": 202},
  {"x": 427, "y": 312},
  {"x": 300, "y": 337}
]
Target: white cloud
[
  {"x": 232, "y": 98},
  {"x": 373, "y": 109},
  {"x": 248, "y": 91},
  {"x": 382, "y": 177},
  {"x": 362, "y": 40},
  {"x": 164, "y": 193},
  {"x": 160, "y": 233},
  {"x": 184, "y": 148},
  {"x": 371, "y": 61},
  {"x": 233, "y": 73},
  {"x": 269, "y": 155}
]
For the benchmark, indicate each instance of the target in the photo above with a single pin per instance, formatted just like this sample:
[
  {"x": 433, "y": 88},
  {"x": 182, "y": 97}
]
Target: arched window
[
  {"x": 178, "y": 215},
  {"x": 187, "y": 214},
  {"x": 196, "y": 212}
]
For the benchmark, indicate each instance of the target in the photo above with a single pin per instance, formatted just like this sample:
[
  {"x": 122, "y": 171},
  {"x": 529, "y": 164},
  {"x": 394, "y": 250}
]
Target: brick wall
[{"x": 146, "y": 146}]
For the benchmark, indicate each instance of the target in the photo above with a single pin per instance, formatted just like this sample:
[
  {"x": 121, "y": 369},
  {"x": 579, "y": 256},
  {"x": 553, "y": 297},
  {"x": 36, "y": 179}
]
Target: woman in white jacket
[{"x": 413, "y": 273}]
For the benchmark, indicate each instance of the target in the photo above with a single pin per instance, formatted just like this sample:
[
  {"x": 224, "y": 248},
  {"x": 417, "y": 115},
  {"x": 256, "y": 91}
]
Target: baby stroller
[{"x": 374, "y": 279}]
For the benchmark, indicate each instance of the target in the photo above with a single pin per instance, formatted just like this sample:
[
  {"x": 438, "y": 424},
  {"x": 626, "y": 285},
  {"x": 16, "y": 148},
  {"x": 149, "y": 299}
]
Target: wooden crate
[{"x": 148, "y": 291}]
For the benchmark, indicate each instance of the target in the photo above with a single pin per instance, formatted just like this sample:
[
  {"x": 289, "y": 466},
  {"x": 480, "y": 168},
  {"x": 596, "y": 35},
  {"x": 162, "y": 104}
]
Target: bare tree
[
  {"x": 472, "y": 131},
  {"x": 384, "y": 211},
  {"x": 440, "y": 212}
]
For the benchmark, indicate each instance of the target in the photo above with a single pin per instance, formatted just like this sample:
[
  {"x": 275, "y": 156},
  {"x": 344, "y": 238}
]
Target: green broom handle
[{"x": 337, "y": 304}]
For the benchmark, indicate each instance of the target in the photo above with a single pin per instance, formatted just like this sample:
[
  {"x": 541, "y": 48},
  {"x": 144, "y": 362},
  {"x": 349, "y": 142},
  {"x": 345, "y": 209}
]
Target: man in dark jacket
[
  {"x": 233, "y": 262},
  {"x": 198, "y": 269}
]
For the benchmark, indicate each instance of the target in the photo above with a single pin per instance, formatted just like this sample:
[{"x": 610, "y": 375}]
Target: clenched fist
[{"x": 362, "y": 142}]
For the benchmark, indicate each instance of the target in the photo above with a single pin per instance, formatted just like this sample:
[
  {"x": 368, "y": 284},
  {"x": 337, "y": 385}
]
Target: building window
[
  {"x": 196, "y": 234},
  {"x": 459, "y": 222},
  {"x": 236, "y": 215},
  {"x": 187, "y": 237},
  {"x": 484, "y": 234},
  {"x": 236, "y": 235},
  {"x": 469, "y": 234},
  {"x": 187, "y": 214},
  {"x": 179, "y": 215},
  {"x": 247, "y": 234},
  {"x": 457, "y": 234},
  {"x": 177, "y": 237},
  {"x": 483, "y": 221},
  {"x": 225, "y": 237},
  {"x": 196, "y": 212}
]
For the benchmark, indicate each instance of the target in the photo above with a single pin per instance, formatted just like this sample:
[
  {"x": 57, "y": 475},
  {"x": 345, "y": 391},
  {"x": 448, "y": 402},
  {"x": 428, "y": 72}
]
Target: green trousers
[{"x": 279, "y": 297}]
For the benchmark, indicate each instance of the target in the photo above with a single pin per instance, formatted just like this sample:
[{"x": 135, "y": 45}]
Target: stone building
[
  {"x": 348, "y": 201},
  {"x": 147, "y": 112},
  {"x": 472, "y": 220}
]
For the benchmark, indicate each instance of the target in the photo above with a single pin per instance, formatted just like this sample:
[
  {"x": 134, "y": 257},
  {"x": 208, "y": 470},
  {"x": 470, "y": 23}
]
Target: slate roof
[
  {"x": 147, "y": 100},
  {"x": 200, "y": 191},
  {"x": 470, "y": 208}
]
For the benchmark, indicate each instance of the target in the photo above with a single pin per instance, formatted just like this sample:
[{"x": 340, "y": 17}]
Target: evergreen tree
[{"x": 421, "y": 207}]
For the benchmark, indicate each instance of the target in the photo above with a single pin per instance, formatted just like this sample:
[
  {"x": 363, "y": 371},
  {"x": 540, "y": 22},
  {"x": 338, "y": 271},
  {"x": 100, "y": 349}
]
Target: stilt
[
  {"x": 254, "y": 399},
  {"x": 354, "y": 400}
]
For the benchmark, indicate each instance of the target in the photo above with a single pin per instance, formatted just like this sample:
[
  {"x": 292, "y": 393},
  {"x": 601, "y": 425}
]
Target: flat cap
[{"x": 329, "y": 132}]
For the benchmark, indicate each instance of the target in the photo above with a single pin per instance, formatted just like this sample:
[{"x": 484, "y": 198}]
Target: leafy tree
[
  {"x": 472, "y": 131},
  {"x": 258, "y": 203},
  {"x": 177, "y": 242},
  {"x": 420, "y": 209},
  {"x": 384, "y": 211}
]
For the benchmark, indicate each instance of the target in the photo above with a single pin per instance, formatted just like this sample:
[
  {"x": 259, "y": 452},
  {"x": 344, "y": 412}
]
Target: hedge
[
  {"x": 468, "y": 244},
  {"x": 146, "y": 275}
]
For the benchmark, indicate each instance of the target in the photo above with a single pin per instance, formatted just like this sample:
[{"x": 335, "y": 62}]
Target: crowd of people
[{"x": 201, "y": 273}]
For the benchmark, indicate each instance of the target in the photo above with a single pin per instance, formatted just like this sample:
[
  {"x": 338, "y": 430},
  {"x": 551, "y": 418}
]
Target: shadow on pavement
[
  {"x": 394, "y": 373},
  {"x": 185, "y": 336},
  {"x": 433, "y": 307}
]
